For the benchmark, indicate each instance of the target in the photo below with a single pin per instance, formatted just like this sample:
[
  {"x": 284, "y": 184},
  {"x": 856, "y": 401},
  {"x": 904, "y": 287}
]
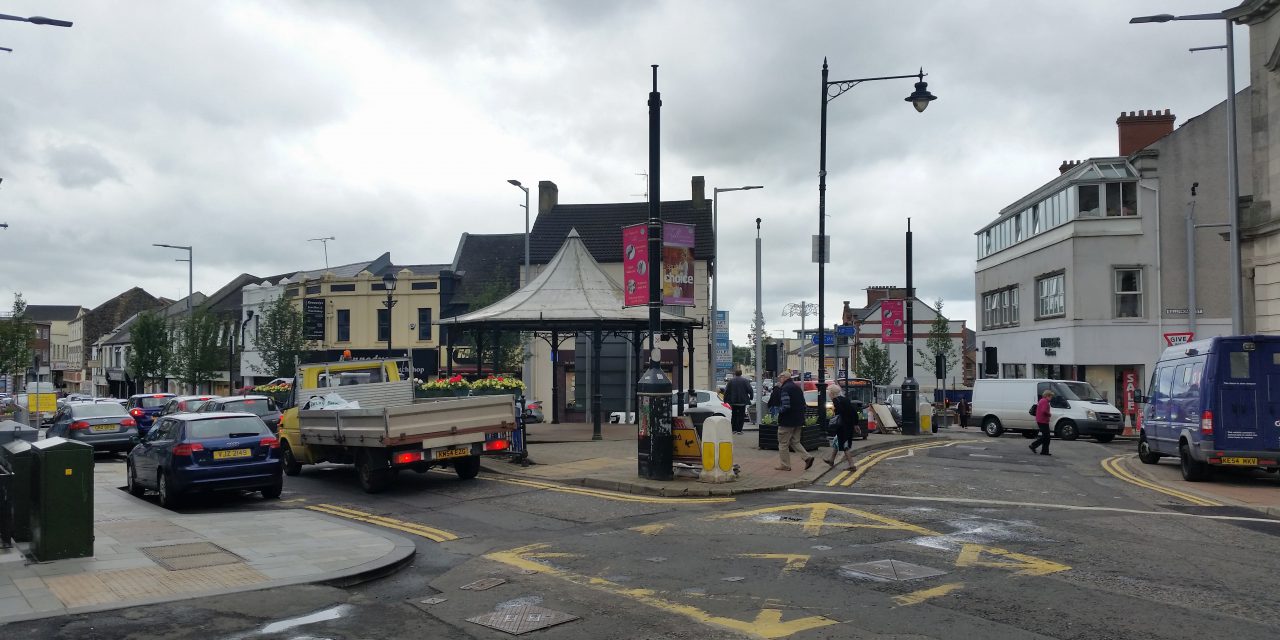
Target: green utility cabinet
[
  {"x": 16, "y": 456},
  {"x": 61, "y": 500}
]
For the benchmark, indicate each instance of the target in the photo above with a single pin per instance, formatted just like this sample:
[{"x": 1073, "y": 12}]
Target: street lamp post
[
  {"x": 325, "y": 242},
  {"x": 389, "y": 284},
  {"x": 832, "y": 89},
  {"x": 715, "y": 279},
  {"x": 527, "y": 369},
  {"x": 1233, "y": 169},
  {"x": 41, "y": 20},
  {"x": 758, "y": 392},
  {"x": 190, "y": 269}
]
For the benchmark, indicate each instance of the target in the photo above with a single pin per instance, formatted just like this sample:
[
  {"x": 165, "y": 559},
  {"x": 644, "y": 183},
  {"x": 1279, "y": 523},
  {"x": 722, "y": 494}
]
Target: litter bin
[
  {"x": 10, "y": 431},
  {"x": 61, "y": 500},
  {"x": 16, "y": 458}
]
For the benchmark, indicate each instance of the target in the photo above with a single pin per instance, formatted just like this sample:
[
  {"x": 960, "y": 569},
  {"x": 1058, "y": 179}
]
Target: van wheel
[
  {"x": 991, "y": 426},
  {"x": 291, "y": 465},
  {"x": 1145, "y": 454},
  {"x": 1104, "y": 438},
  {"x": 1067, "y": 430},
  {"x": 1192, "y": 471}
]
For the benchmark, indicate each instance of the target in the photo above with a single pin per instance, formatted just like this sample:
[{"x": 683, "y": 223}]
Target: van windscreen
[{"x": 1078, "y": 391}]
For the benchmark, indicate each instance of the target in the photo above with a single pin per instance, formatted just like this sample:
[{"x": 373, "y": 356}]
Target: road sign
[
  {"x": 828, "y": 339},
  {"x": 1176, "y": 338},
  {"x": 846, "y": 330}
]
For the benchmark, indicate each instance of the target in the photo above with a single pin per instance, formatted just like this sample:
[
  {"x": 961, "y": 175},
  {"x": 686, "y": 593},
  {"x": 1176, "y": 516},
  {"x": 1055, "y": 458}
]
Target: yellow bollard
[{"x": 717, "y": 450}]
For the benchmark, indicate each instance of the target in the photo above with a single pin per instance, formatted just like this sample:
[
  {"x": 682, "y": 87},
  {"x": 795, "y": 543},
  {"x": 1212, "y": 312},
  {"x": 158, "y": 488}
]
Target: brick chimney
[
  {"x": 548, "y": 196},
  {"x": 699, "y": 192},
  {"x": 1140, "y": 128},
  {"x": 876, "y": 294},
  {"x": 1067, "y": 165}
]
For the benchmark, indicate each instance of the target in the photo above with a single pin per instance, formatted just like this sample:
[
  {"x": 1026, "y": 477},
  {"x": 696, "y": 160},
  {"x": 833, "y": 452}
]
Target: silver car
[{"x": 105, "y": 425}]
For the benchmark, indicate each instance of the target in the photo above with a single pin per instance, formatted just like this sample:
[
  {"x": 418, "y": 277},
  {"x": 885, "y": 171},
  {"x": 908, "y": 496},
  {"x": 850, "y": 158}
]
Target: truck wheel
[
  {"x": 1067, "y": 430},
  {"x": 467, "y": 468},
  {"x": 291, "y": 465},
  {"x": 374, "y": 475},
  {"x": 1192, "y": 471},
  {"x": 991, "y": 426},
  {"x": 1145, "y": 454}
]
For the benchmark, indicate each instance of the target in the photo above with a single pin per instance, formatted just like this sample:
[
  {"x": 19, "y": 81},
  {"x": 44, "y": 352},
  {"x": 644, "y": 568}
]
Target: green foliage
[
  {"x": 875, "y": 364},
  {"x": 743, "y": 355},
  {"x": 505, "y": 344},
  {"x": 939, "y": 342},
  {"x": 198, "y": 348},
  {"x": 150, "y": 347},
  {"x": 16, "y": 334},
  {"x": 279, "y": 339}
]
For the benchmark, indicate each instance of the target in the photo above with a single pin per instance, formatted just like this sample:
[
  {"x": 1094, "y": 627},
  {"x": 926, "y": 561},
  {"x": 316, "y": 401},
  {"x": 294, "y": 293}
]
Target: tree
[
  {"x": 198, "y": 348},
  {"x": 280, "y": 339},
  {"x": 16, "y": 333},
  {"x": 758, "y": 331},
  {"x": 743, "y": 355},
  {"x": 150, "y": 347},
  {"x": 939, "y": 343},
  {"x": 875, "y": 364}
]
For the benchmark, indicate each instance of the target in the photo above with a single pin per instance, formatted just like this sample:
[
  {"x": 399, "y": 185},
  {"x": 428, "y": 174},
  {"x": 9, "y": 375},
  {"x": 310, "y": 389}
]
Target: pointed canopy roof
[{"x": 571, "y": 293}]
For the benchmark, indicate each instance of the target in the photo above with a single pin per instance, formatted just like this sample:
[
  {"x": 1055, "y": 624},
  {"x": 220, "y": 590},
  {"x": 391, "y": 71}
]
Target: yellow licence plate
[
  {"x": 452, "y": 453},
  {"x": 1250, "y": 462},
  {"x": 104, "y": 427},
  {"x": 231, "y": 453}
]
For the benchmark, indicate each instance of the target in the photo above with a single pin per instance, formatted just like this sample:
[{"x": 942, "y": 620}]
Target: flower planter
[{"x": 811, "y": 437}]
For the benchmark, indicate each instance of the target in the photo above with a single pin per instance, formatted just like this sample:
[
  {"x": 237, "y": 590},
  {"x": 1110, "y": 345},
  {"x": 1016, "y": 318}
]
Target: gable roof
[
  {"x": 485, "y": 260},
  {"x": 227, "y": 299},
  {"x": 600, "y": 226},
  {"x": 52, "y": 312},
  {"x": 115, "y": 311}
]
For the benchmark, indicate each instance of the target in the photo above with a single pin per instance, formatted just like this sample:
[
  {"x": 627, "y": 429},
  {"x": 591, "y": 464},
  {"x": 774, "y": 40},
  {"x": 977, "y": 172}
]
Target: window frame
[
  {"x": 339, "y": 316},
  {"x": 425, "y": 331},
  {"x": 1116, "y": 293},
  {"x": 1061, "y": 276},
  {"x": 382, "y": 318}
]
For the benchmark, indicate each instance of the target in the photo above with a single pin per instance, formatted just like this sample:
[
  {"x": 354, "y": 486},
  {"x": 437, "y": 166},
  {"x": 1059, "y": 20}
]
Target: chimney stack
[
  {"x": 699, "y": 192},
  {"x": 1140, "y": 128},
  {"x": 1067, "y": 165},
  {"x": 548, "y": 196}
]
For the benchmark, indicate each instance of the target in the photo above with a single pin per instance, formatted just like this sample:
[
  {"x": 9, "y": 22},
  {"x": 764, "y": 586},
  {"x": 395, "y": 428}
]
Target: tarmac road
[{"x": 1005, "y": 545}]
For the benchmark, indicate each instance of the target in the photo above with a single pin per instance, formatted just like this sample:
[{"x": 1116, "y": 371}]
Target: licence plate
[
  {"x": 104, "y": 427},
  {"x": 1250, "y": 462},
  {"x": 452, "y": 453},
  {"x": 231, "y": 453}
]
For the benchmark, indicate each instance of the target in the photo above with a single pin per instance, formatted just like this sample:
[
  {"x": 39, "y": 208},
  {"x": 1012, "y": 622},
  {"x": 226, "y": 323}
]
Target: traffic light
[{"x": 771, "y": 357}]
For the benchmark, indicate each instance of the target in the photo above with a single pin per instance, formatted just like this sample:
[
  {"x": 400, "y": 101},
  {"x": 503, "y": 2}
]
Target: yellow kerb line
[
  {"x": 431, "y": 533},
  {"x": 609, "y": 495},
  {"x": 871, "y": 460},
  {"x": 1112, "y": 465}
]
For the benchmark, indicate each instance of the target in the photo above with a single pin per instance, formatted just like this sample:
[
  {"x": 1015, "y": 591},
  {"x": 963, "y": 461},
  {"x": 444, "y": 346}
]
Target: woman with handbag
[{"x": 844, "y": 425}]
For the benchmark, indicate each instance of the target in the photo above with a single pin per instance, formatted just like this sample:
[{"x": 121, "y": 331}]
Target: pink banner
[
  {"x": 635, "y": 265},
  {"x": 893, "y": 322},
  {"x": 678, "y": 266}
]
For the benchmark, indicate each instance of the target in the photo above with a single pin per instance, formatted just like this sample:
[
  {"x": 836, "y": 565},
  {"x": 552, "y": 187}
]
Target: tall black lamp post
[
  {"x": 832, "y": 89},
  {"x": 654, "y": 441},
  {"x": 389, "y": 284}
]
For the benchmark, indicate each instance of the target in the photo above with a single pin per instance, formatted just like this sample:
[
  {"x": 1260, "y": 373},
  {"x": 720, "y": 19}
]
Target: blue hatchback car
[
  {"x": 1212, "y": 403},
  {"x": 199, "y": 452},
  {"x": 144, "y": 407}
]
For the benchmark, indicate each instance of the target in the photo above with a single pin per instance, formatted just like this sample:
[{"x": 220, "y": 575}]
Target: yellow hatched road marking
[
  {"x": 609, "y": 495},
  {"x": 431, "y": 533},
  {"x": 879, "y": 456},
  {"x": 650, "y": 529},
  {"x": 1113, "y": 466},
  {"x": 916, "y": 597},
  {"x": 817, "y": 518},
  {"x": 791, "y": 561},
  {"x": 971, "y": 555}
]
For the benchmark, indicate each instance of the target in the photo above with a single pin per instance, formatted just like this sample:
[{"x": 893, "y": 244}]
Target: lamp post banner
[
  {"x": 724, "y": 352},
  {"x": 635, "y": 265},
  {"x": 893, "y": 325},
  {"x": 678, "y": 267}
]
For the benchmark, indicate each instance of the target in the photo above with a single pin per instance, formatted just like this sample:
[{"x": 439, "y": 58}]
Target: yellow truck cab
[{"x": 317, "y": 380}]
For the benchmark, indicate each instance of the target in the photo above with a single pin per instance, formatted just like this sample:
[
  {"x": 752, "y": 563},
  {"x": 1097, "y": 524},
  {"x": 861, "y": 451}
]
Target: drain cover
[
  {"x": 892, "y": 570},
  {"x": 481, "y": 585},
  {"x": 190, "y": 555},
  {"x": 522, "y": 619}
]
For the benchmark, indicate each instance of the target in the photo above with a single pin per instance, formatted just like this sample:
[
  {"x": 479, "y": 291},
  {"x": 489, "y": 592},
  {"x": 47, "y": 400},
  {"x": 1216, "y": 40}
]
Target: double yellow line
[
  {"x": 607, "y": 495},
  {"x": 1114, "y": 467},
  {"x": 847, "y": 478},
  {"x": 430, "y": 533}
]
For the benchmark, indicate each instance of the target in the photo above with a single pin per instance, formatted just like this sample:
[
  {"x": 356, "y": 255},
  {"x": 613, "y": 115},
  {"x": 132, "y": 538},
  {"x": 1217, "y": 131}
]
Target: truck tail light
[
  {"x": 407, "y": 457},
  {"x": 187, "y": 448},
  {"x": 1206, "y": 423},
  {"x": 79, "y": 425},
  {"x": 496, "y": 445}
]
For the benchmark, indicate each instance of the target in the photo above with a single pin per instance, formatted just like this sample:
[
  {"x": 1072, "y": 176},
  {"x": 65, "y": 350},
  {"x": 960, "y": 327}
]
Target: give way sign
[{"x": 1178, "y": 337}]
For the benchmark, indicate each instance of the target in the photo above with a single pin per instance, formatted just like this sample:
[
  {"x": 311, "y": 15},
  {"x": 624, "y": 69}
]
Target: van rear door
[
  {"x": 1236, "y": 421},
  {"x": 1269, "y": 407}
]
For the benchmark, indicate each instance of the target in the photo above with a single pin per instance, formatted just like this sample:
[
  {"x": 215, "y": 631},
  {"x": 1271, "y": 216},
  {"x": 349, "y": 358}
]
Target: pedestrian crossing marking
[
  {"x": 817, "y": 518},
  {"x": 971, "y": 555}
]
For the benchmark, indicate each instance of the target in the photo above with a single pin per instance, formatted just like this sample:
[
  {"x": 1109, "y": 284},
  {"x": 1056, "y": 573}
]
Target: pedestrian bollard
[{"x": 717, "y": 450}]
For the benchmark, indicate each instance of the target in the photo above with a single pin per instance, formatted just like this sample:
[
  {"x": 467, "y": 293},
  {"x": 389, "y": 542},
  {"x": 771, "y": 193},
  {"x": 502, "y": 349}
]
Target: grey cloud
[{"x": 80, "y": 166}]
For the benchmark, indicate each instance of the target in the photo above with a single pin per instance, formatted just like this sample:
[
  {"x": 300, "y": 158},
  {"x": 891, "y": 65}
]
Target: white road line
[{"x": 1008, "y": 503}]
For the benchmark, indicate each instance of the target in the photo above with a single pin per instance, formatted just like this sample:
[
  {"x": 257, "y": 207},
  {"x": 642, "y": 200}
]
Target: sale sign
[
  {"x": 678, "y": 270},
  {"x": 893, "y": 322},
  {"x": 1130, "y": 382},
  {"x": 635, "y": 265}
]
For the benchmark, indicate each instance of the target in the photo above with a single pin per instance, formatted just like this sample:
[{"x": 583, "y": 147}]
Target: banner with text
[
  {"x": 893, "y": 322},
  {"x": 678, "y": 267},
  {"x": 724, "y": 351},
  {"x": 635, "y": 265}
]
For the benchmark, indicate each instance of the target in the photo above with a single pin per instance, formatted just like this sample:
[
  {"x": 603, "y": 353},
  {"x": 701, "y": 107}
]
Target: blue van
[{"x": 1215, "y": 402}]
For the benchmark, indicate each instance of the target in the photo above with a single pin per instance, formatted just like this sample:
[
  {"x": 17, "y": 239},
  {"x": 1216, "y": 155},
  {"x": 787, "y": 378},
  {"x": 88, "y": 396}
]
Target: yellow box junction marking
[
  {"x": 609, "y": 495},
  {"x": 791, "y": 561},
  {"x": 650, "y": 529},
  {"x": 817, "y": 518},
  {"x": 847, "y": 478},
  {"x": 767, "y": 623},
  {"x": 1113, "y": 466},
  {"x": 916, "y": 597},
  {"x": 971, "y": 555},
  {"x": 430, "y": 533}
]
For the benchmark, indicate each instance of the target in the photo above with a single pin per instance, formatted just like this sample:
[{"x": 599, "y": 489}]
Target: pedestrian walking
[
  {"x": 963, "y": 409},
  {"x": 790, "y": 423},
  {"x": 846, "y": 426},
  {"x": 1042, "y": 421},
  {"x": 738, "y": 394},
  {"x": 775, "y": 401}
]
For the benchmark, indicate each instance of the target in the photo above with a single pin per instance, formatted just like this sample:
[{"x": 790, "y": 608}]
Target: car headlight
[{"x": 1091, "y": 414}]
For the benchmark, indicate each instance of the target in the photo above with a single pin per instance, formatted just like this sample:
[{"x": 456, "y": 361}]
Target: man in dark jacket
[
  {"x": 790, "y": 423},
  {"x": 738, "y": 394}
]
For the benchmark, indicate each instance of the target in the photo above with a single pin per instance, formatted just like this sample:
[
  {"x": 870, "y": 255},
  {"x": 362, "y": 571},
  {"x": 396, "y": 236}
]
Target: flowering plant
[
  {"x": 273, "y": 388},
  {"x": 456, "y": 383},
  {"x": 498, "y": 383}
]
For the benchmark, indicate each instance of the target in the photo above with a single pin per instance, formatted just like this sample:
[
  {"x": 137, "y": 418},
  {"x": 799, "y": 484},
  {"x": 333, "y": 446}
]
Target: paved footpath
[{"x": 144, "y": 554}]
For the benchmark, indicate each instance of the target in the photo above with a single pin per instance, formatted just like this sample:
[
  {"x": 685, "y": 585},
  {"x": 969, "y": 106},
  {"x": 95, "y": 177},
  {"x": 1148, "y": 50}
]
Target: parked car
[
  {"x": 262, "y": 406},
  {"x": 144, "y": 407},
  {"x": 533, "y": 412},
  {"x": 106, "y": 426},
  {"x": 199, "y": 452},
  {"x": 1077, "y": 408},
  {"x": 184, "y": 404},
  {"x": 1211, "y": 404}
]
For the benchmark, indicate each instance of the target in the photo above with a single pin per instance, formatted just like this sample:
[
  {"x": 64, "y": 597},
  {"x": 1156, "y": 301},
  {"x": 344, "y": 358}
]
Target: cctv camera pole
[{"x": 653, "y": 416}]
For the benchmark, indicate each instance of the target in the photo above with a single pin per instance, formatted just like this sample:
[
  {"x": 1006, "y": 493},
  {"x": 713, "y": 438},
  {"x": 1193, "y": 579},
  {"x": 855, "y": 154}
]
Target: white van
[{"x": 1077, "y": 408}]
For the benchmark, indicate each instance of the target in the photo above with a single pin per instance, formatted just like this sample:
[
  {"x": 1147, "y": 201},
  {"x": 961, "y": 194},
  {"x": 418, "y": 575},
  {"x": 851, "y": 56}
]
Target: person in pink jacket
[{"x": 1042, "y": 421}]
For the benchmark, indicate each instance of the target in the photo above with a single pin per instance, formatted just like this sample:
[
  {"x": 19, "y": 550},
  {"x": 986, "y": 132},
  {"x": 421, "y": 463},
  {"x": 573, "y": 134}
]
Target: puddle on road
[{"x": 332, "y": 613}]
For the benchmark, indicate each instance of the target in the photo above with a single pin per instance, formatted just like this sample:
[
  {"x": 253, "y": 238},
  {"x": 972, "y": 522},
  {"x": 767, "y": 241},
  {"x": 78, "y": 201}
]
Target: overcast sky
[{"x": 245, "y": 128}]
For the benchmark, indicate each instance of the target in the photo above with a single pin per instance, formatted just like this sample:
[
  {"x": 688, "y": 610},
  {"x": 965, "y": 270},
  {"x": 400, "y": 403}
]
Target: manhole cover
[
  {"x": 522, "y": 619},
  {"x": 481, "y": 585},
  {"x": 190, "y": 555},
  {"x": 892, "y": 570}
]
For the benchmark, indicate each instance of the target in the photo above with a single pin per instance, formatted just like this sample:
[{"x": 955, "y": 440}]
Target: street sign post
[
  {"x": 828, "y": 339},
  {"x": 846, "y": 330}
]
